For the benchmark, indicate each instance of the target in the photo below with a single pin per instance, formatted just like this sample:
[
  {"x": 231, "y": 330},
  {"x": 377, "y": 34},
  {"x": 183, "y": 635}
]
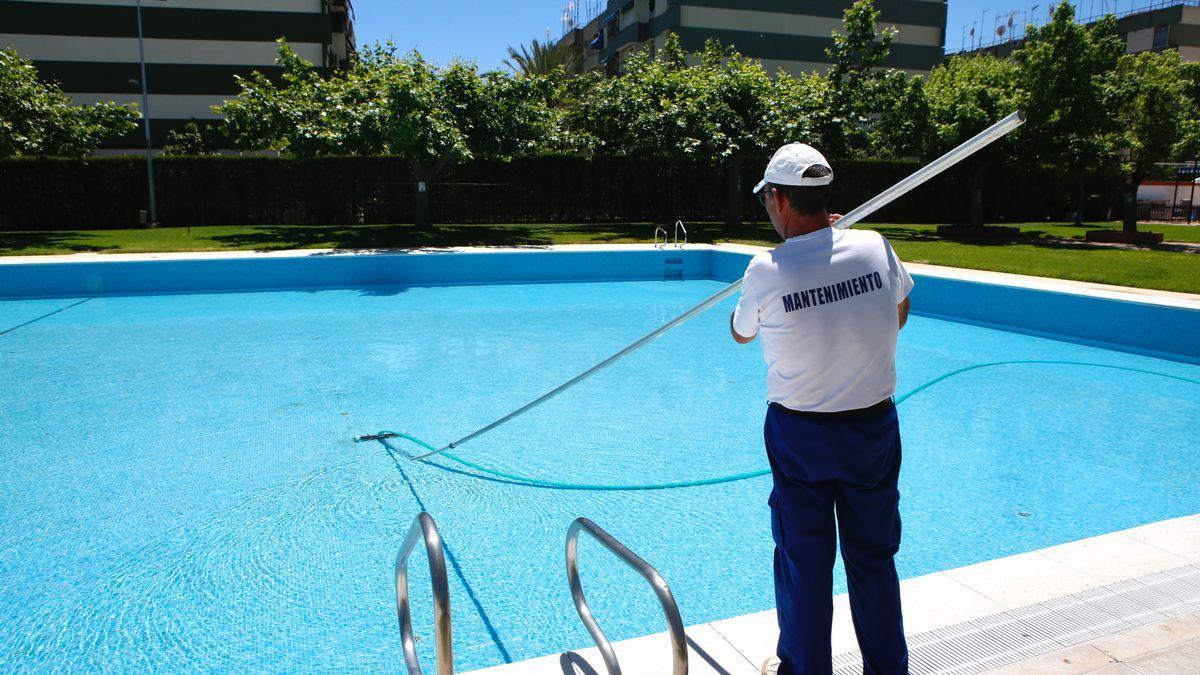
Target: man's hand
[
  {"x": 834, "y": 217},
  {"x": 738, "y": 338},
  {"x": 902, "y": 308}
]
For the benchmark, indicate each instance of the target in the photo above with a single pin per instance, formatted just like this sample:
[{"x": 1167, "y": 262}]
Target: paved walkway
[
  {"x": 1127, "y": 599},
  {"x": 1169, "y": 647}
]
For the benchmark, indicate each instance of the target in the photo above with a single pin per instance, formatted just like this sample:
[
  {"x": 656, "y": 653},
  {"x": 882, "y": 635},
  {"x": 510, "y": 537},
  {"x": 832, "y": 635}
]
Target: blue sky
[{"x": 480, "y": 30}]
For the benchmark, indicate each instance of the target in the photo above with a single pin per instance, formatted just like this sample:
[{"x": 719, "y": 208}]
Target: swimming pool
[{"x": 179, "y": 489}]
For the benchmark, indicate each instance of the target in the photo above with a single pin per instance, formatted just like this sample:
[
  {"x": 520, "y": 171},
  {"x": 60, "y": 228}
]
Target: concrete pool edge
[{"x": 932, "y": 602}]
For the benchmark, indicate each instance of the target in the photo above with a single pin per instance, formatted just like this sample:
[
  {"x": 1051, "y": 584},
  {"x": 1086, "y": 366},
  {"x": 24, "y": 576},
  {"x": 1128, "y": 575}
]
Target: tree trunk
[
  {"x": 1129, "y": 215},
  {"x": 1079, "y": 198},
  {"x": 977, "y": 194},
  {"x": 733, "y": 206}
]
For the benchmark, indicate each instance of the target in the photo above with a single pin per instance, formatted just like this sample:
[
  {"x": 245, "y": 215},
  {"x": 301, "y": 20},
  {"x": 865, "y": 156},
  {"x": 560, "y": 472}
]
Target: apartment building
[
  {"x": 1164, "y": 25},
  {"x": 193, "y": 49},
  {"x": 788, "y": 34}
]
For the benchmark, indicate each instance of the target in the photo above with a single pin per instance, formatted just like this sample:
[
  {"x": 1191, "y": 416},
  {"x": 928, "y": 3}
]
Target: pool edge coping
[{"x": 1066, "y": 286}]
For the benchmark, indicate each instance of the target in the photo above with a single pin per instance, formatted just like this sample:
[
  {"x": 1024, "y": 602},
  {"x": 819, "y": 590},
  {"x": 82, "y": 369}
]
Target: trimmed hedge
[{"x": 104, "y": 193}]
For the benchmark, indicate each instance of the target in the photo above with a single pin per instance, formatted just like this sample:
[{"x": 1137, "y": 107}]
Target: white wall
[{"x": 1158, "y": 191}]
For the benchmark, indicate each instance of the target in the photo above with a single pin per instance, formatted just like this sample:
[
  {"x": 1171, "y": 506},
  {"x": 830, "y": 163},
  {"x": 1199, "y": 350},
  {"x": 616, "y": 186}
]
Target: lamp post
[{"x": 153, "y": 222}]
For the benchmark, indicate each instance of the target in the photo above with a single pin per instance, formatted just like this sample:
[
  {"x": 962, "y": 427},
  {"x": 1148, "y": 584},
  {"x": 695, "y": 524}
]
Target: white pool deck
[
  {"x": 934, "y": 601},
  {"x": 1165, "y": 642}
]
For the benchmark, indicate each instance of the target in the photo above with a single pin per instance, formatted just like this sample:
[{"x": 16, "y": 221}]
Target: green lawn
[{"x": 1039, "y": 251}]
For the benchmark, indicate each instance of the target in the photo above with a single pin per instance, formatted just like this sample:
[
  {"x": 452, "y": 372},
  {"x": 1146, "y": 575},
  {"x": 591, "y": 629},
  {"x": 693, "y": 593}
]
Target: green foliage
[
  {"x": 967, "y": 94},
  {"x": 194, "y": 140},
  {"x": 723, "y": 105},
  {"x": 857, "y": 55},
  {"x": 38, "y": 119},
  {"x": 542, "y": 58},
  {"x": 1060, "y": 74},
  {"x": 388, "y": 105},
  {"x": 1189, "y": 141},
  {"x": 1147, "y": 99},
  {"x": 902, "y": 127}
]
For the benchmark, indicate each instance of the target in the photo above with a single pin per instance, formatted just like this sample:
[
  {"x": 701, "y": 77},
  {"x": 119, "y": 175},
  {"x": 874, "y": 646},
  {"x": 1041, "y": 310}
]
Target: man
[{"x": 829, "y": 305}]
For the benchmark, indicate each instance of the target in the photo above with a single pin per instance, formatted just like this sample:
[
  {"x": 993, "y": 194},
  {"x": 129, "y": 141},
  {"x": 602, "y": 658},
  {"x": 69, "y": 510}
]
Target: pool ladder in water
[
  {"x": 673, "y": 269},
  {"x": 424, "y": 529}
]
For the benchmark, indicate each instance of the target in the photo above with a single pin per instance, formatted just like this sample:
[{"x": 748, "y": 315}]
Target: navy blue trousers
[{"x": 848, "y": 465}]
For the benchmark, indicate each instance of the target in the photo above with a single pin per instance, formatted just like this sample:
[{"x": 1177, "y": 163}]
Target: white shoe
[{"x": 770, "y": 666}]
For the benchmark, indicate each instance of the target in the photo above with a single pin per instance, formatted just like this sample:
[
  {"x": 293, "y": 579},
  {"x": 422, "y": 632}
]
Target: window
[{"x": 1161, "y": 36}]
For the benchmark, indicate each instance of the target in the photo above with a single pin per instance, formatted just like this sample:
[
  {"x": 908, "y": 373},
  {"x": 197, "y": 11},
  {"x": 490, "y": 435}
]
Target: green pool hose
[{"x": 382, "y": 436}]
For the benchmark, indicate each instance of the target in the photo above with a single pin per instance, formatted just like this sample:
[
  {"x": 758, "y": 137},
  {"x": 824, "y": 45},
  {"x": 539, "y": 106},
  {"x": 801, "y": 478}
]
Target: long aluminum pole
[
  {"x": 970, "y": 147},
  {"x": 987, "y": 136},
  {"x": 146, "y": 120}
]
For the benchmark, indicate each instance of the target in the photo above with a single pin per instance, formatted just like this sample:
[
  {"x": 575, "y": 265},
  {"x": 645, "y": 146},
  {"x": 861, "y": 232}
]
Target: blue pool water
[{"x": 178, "y": 488}]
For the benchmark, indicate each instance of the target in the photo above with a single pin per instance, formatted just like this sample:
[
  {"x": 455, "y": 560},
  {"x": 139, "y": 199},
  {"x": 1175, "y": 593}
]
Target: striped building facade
[
  {"x": 788, "y": 34},
  {"x": 194, "y": 48}
]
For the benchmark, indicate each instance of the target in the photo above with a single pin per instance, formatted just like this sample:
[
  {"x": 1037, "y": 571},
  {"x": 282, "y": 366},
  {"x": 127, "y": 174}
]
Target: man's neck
[{"x": 798, "y": 224}]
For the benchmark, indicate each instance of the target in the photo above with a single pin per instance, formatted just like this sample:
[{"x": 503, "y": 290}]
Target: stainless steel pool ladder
[
  {"x": 679, "y": 226},
  {"x": 424, "y": 529},
  {"x": 679, "y": 655}
]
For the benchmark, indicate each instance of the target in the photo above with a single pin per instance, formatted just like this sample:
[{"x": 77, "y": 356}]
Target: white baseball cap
[{"x": 788, "y": 164}]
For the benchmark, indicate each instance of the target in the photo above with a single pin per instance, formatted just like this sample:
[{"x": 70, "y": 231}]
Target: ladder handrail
[
  {"x": 680, "y": 226},
  {"x": 424, "y": 529},
  {"x": 679, "y": 655},
  {"x": 658, "y": 229}
]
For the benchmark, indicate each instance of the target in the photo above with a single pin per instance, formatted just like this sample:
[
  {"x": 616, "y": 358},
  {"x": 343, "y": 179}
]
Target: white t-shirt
[{"x": 825, "y": 304}]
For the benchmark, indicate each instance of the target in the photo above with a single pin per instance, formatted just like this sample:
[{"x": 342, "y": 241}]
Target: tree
[
  {"x": 390, "y": 105},
  {"x": 38, "y": 119},
  {"x": 1189, "y": 142},
  {"x": 1147, "y": 98},
  {"x": 722, "y": 105},
  {"x": 966, "y": 95},
  {"x": 542, "y": 58},
  {"x": 902, "y": 126},
  {"x": 857, "y": 55},
  {"x": 194, "y": 139},
  {"x": 717, "y": 110},
  {"x": 1060, "y": 71}
]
